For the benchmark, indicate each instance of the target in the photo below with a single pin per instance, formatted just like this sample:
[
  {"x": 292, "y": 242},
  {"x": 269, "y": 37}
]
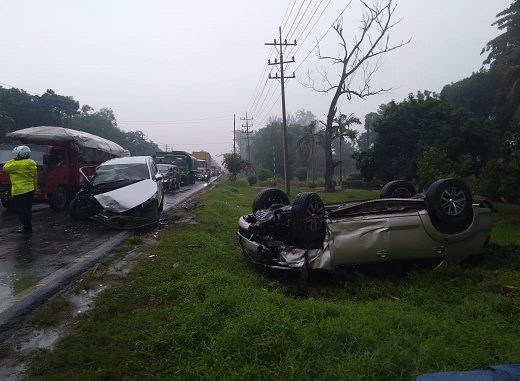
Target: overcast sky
[{"x": 179, "y": 70}]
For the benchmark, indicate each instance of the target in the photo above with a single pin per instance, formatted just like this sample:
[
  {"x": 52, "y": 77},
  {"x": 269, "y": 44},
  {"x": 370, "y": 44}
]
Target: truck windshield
[
  {"x": 120, "y": 174},
  {"x": 163, "y": 168},
  {"x": 37, "y": 152}
]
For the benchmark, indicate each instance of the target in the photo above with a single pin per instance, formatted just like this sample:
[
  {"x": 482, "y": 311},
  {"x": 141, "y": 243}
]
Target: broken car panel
[{"x": 124, "y": 193}]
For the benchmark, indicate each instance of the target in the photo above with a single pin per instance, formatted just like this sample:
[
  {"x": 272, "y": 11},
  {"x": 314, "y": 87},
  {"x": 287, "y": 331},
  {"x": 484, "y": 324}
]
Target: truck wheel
[
  {"x": 308, "y": 220},
  {"x": 9, "y": 204},
  {"x": 60, "y": 199},
  {"x": 267, "y": 197},
  {"x": 449, "y": 205},
  {"x": 398, "y": 189}
]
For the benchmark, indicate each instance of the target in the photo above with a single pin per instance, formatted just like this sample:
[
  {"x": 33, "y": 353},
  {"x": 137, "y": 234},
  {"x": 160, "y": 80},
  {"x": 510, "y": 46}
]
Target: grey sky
[{"x": 178, "y": 70}]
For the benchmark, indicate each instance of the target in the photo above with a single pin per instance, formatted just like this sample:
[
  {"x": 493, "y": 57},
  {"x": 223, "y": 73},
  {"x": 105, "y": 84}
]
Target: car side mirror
[{"x": 158, "y": 177}]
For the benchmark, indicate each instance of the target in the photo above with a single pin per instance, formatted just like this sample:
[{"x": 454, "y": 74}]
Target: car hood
[{"x": 122, "y": 199}]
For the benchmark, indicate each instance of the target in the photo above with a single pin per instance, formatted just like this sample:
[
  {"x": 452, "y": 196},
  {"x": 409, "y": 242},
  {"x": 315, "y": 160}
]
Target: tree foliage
[
  {"x": 234, "y": 164},
  {"x": 407, "y": 130},
  {"x": 19, "y": 109},
  {"x": 502, "y": 48}
]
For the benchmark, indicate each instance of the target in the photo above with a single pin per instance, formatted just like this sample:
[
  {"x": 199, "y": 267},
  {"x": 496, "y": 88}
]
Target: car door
[{"x": 160, "y": 191}]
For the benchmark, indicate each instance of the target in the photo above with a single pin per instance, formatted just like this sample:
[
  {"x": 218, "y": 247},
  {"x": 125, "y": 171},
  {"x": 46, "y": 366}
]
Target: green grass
[
  {"x": 52, "y": 313},
  {"x": 506, "y": 224},
  {"x": 198, "y": 310},
  {"x": 23, "y": 284}
]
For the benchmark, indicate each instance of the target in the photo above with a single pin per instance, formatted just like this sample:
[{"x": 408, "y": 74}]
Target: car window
[
  {"x": 130, "y": 173},
  {"x": 153, "y": 168}
]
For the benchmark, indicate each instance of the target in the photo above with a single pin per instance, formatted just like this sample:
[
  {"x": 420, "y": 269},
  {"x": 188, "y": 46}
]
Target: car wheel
[
  {"x": 83, "y": 207},
  {"x": 74, "y": 211},
  {"x": 449, "y": 204},
  {"x": 59, "y": 200},
  {"x": 268, "y": 197},
  {"x": 156, "y": 212},
  {"x": 308, "y": 220},
  {"x": 9, "y": 204},
  {"x": 398, "y": 189}
]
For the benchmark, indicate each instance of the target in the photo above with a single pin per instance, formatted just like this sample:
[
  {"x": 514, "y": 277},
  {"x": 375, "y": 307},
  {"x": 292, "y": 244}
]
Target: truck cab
[{"x": 58, "y": 174}]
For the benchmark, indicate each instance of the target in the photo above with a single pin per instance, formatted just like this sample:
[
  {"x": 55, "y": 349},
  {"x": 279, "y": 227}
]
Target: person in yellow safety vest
[{"x": 23, "y": 173}]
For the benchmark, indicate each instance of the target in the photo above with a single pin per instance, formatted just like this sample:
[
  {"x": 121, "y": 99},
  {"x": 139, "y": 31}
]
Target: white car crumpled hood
[{"x": 123, "y": 199}]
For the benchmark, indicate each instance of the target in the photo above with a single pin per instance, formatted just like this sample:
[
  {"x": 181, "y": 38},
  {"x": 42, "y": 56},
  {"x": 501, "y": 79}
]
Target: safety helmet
[{"x": 22, "y": 152}]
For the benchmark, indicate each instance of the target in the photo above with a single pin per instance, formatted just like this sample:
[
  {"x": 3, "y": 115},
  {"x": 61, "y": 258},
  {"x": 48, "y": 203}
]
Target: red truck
[{"x": 59, "y": 153}]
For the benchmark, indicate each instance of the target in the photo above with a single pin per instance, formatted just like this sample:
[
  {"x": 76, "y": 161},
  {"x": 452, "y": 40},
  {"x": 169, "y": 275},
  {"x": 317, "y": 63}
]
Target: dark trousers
[{"x": 24, "y": 204}]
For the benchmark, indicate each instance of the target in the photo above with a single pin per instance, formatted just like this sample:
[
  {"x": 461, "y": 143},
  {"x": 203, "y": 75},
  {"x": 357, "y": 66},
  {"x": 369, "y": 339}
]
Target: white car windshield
[{"x": 122, "y": 174}]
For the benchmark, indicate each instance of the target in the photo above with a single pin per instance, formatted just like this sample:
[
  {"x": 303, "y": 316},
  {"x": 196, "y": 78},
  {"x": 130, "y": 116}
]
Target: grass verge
[{"x": 193, "y": 308}]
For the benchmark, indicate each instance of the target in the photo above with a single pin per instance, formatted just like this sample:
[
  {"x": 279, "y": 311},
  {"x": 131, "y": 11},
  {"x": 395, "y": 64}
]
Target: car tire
[
  {"x": 59, "y": 199},
  {"x": 398, "y": 189},
  {"x": 268, "y": 197},
  {"x": 8, "y": 204},
  {"x": 450, "y": 205},
  {"x": 74, "y": 212},
  {"x": 308, "y": 220}
]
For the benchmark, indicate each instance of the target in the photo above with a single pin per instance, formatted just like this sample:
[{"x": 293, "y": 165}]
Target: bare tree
[{"x": 358, "y": 62}]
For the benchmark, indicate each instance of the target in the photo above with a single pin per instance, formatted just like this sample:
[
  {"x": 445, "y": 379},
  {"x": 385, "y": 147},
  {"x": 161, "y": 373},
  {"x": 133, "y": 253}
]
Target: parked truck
[
  {"x": 186, "y": 163},
  {"x": 204, "y": 160},
  {"x": 59, "y": 153}
]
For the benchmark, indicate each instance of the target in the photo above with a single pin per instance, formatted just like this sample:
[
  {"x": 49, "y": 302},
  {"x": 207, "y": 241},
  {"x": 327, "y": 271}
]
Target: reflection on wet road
[{"x": 57, "y": 241}]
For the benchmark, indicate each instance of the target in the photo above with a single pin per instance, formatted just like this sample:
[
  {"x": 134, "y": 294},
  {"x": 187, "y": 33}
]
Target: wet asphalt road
[{"x": 57, "y": 240}]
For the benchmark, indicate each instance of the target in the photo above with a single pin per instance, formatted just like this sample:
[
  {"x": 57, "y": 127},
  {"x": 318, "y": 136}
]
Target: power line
[
  {"x": 283, "y": 27},
  {"x": 313, "y": 13},
  {"x": 299, "y": 22},
  {"x": 322, "y": 37},
  {"x": 312, "y": 28},
  {"x": 257, "y": 87},
  {"x": 269, "y": 95},
  {"x": 266, "y": 115},
  {"x": 178, "y": 121},
  {"x": 299, "y": 37},
  {"x": 297, "y": 14}
]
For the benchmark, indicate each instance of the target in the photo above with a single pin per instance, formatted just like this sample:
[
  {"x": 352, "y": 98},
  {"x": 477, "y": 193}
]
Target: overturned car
[
  {"x": 442, "y": 224},
  {"x": 123, "y": 193}
]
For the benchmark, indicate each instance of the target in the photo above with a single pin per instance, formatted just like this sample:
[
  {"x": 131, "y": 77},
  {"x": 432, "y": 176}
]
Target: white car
[{"x": 124, "y": 193}]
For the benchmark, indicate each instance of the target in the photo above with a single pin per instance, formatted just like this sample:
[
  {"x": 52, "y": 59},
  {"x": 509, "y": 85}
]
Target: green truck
[{"x": 186, "y": 163}]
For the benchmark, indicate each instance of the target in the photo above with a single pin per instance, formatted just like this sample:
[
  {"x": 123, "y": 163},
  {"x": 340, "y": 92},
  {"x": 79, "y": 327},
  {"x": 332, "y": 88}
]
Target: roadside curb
[{"x": 11, "y": 316}]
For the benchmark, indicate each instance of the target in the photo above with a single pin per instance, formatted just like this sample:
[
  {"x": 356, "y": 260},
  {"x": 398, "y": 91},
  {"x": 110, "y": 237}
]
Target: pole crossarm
[{"x": 280, "y": 44}]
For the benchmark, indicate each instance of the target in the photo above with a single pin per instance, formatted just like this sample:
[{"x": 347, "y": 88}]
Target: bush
[
  {"x": 263, "y": 174},
  {"x": 251, "y": 180},
  {"x": 301, "y": 173},
  {"x": 311, "y": 185}
]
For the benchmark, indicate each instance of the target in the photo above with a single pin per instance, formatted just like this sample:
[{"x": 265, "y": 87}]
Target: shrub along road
[{"x": 194, "y": 308}]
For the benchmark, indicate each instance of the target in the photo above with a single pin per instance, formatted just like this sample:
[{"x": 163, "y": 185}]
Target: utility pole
[
  {"x": 274, "y": 168},
  {"x": 234, "y": 138},
  {"x": 247, "y": 132},
  {"x": 280, "y": 45}
]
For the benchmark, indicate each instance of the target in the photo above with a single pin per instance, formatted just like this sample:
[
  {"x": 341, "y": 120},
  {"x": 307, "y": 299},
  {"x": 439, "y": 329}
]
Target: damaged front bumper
[{"x": 278, "y": 255}]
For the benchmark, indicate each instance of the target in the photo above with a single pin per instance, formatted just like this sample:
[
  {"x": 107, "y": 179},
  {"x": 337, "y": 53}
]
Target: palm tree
[
  {"x": 342, "y": 130},
  {"x": 308, "y": 142}
]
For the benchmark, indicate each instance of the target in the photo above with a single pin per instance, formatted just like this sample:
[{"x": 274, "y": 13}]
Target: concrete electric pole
[
  {"x": 280, "y": 45},
  {"x": 247, "y": 132}
]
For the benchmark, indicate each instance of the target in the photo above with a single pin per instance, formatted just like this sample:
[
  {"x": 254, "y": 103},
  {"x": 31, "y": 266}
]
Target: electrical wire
[{"x": 322, "y": 37}]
